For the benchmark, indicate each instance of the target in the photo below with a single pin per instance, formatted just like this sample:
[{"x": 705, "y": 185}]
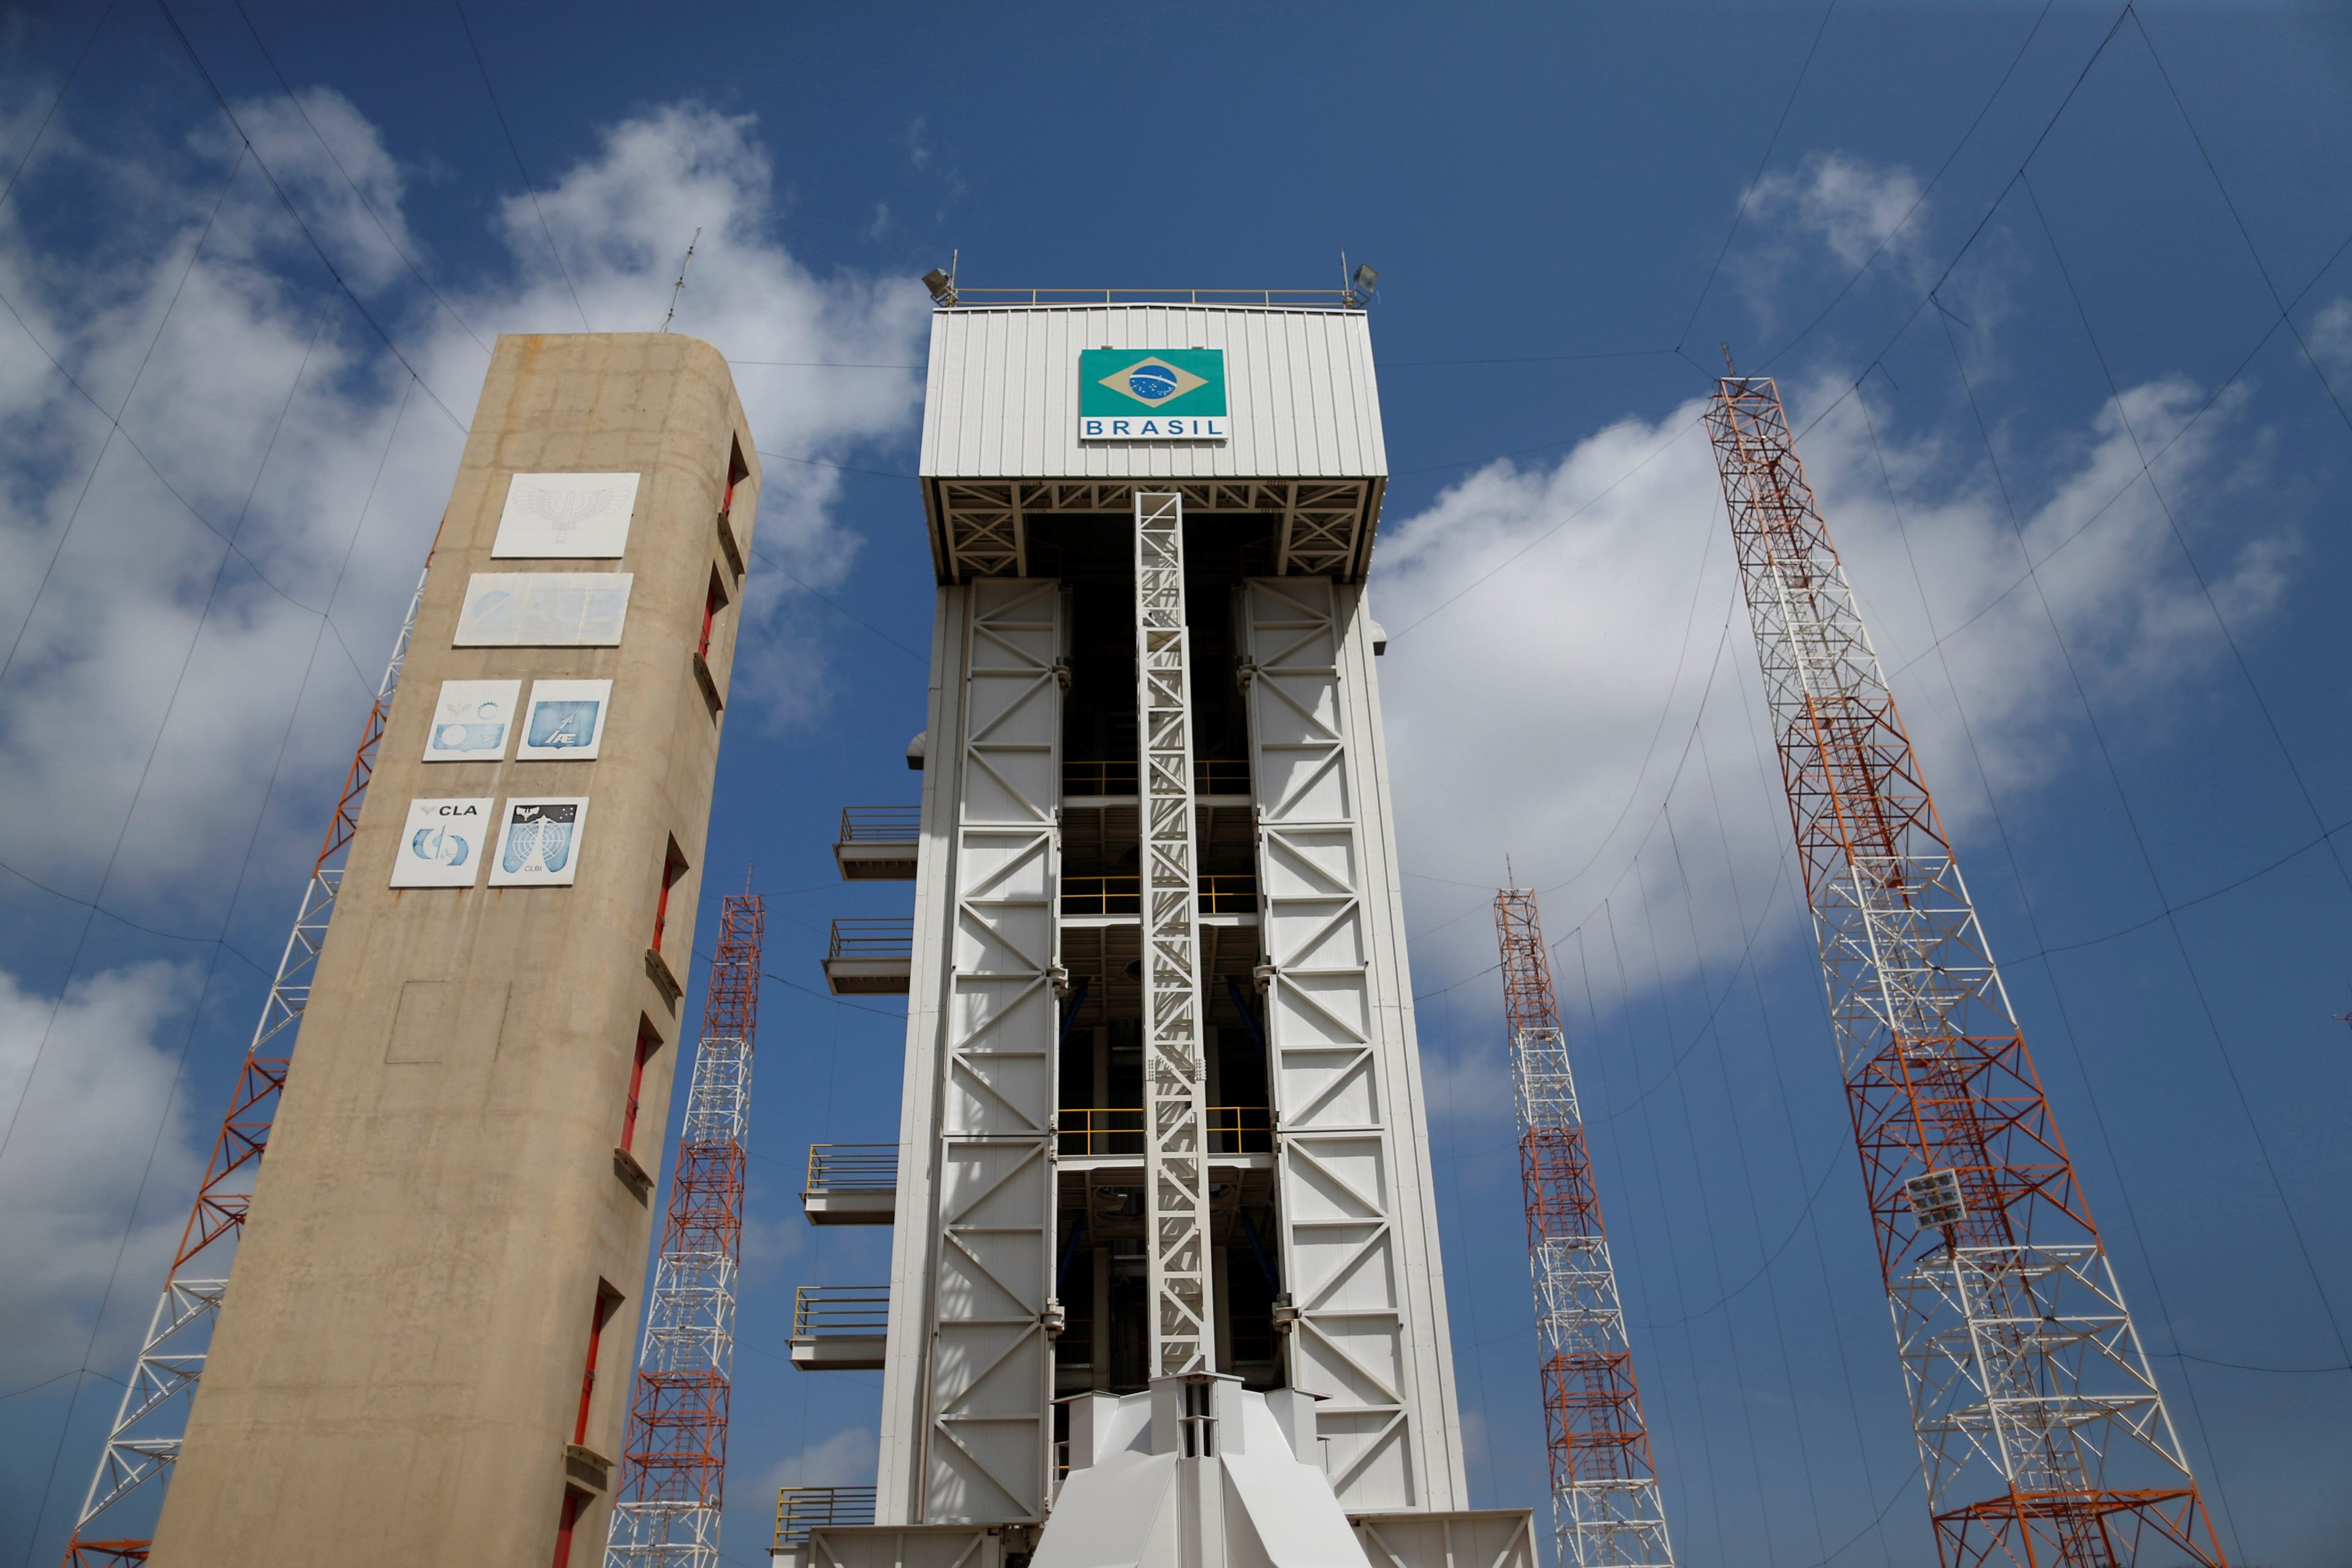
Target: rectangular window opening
[
  {"x": 608, "y": 1299},
  {"x": 647, "y": 1044},
  {"x": 673, "y": 868},
  {"x": 737, "y": 471},
  {"x": 712, "y": 604},
  {"x": 566, "y": 1522}
]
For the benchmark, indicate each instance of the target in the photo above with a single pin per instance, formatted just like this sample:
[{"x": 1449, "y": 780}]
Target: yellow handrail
[{"x": 1119, "y": 1130}]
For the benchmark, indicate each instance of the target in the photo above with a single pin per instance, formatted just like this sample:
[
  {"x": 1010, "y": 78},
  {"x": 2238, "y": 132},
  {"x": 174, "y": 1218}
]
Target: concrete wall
[{"x": 398, "y": 1365}]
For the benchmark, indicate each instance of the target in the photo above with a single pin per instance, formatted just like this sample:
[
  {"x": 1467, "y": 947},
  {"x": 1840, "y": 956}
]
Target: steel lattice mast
[
  {"x": 675, "y": 1464},
  {"x": 145, "y": 1440},
  {"x": 1605, "y": 1508},
  {"x": 2042, "y": 1434},
  {"x": 1176, "y": 1185}
]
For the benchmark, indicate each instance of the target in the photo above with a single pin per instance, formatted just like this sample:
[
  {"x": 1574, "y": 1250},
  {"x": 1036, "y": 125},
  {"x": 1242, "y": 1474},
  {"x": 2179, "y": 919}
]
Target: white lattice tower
[
  {"x": 2040, "y": 1429},
  {"x": 1174, "y": 1069},
  {"x": 672, "y": 1487},
  {"x": 1606, "y": 1509}
]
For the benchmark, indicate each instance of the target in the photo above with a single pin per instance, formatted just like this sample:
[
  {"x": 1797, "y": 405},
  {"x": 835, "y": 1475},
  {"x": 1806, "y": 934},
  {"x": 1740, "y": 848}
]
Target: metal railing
[
  {"x": 881, "y": 824},
  {"x": 1084, "y": 777},
  {"x": 852, "y": 1167},
  {"x": 1229, "y": 893},
  {"x": 1102, "y": 894},
  {"x": 800, "y": 1509},
  {"x": 1221, "y": 775},
  {"x": 1119, "y": 1130},
  {"x": 1311, "y": 299},
  {"x": 887, "y": 936},
  {"x": 1241, "y": 1130},
  {"x": 1117, "y": 776},
  {"x": 819, "y": 1311},
  {"x": 1222, "y": 893}
]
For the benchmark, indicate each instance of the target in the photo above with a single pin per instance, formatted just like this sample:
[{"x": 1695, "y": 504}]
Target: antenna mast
[
  {"x": 2042, "y": 1434},
  {"x": 681, "y": 287},
  {"x": 1605, "y": 1508},
  {"x": 675, "y": 1464}
]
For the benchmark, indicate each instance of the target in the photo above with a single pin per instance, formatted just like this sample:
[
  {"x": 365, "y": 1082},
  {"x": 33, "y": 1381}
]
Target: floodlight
[
  {"x": 1367, "y": 279},
  {"x": 941, "y": 283}
]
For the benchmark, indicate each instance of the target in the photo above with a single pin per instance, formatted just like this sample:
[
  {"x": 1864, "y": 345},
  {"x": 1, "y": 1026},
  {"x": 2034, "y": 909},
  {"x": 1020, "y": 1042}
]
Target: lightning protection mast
[
  {"x": 1605, "y": 1509},
  {"x": 675, "y": 1464},
  {"x": 2042, "y": 1434}
]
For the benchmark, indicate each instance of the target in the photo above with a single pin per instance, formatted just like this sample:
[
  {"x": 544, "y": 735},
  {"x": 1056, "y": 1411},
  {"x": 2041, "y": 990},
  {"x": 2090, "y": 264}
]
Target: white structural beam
[
  {"x": 1176, "y": 1175},
  {"x": 968, "y": 1354},
  {"x": 1366, "y": 1313}
]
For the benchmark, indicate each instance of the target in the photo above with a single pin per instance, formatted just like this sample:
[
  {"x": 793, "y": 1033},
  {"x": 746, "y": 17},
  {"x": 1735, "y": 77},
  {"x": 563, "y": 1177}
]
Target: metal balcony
[
  {"x": 851, "y": 1183},
  {"x": 879, "y": 842},
  {"x": 840, "y": 1328},
  {"x": 800, "y": 1509},
  {"x": 870, "y": 957}
]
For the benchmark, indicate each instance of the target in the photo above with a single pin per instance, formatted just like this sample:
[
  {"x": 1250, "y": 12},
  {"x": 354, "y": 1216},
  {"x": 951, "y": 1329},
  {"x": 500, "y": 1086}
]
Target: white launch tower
[{"x": 1165, "y": 1286}]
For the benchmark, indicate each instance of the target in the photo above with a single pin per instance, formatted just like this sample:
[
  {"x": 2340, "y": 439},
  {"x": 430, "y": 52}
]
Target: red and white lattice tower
[
  {"x": 1605, "y": 1509},
  {"x": 2041, "y": 1432},
  {"x": 675, "y": 1464},
  {"x": 145, "y": 1440}
]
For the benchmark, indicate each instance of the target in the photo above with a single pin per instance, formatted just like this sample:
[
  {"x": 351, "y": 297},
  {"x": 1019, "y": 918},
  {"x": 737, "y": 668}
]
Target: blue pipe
[
  {"x": 1273, "y": 1282},
  {"x": 1249, "y": 1019},
  {"x": 1069, "y": 1251}
]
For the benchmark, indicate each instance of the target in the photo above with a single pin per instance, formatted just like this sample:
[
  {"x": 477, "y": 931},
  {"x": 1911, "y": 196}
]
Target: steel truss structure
[
  {"x": 1359, "y": 1245},
  {"x": 1606, "y": 1510},
  {"x": 675, "y": 1464},
  {"x": 977, "y": 1193},
  {"x": 2041, "y": 1432},
  {"x": 1325, "y": 528},
  {"x": 143, "y": 1443},
  {"x": 1176, "y": 1163}
]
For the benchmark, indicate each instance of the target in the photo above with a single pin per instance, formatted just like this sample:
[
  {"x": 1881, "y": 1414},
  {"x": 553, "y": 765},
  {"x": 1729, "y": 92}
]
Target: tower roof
[{"x": 1062, "y": 407}]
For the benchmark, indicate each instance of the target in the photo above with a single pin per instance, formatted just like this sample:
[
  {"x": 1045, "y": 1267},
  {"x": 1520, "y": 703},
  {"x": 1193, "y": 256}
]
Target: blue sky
[{"x": 2141, "y": 745}]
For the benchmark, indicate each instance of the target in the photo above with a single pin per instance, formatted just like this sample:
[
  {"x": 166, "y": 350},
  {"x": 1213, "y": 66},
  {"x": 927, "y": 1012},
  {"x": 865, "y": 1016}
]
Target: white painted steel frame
[
  {"x": 690, "y": 1320},
  {"x": 967, "y": 1426},
  {"x": 1359, "y": 1254},
  {"x": 1619, "y": 1523},
  {"x": 143, "y": 1442},
  {"x": 1176, "y": 1170},
  {"x": 2022, "y": 1366}
]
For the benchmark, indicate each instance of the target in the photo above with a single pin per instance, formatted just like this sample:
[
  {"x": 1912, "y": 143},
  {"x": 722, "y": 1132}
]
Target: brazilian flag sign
[{"x": 1152, "y": 395}]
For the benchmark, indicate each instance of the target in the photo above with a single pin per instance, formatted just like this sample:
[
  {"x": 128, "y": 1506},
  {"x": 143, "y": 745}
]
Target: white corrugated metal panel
[{"x": 1002, "y": 397}]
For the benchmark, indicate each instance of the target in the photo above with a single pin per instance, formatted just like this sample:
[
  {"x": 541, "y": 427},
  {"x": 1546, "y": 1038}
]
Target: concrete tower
[
  {"x": 1165, "y": 1282},
  {"x": 422, "y": 1355}
]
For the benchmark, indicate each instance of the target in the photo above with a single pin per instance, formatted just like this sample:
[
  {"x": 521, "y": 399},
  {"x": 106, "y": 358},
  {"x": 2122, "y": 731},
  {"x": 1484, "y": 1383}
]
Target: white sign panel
[
  {"x": 539, "y": 842},
  {"x": 543, "y": 609},
  {"x": 470, "y": 720},
  {"x": 566, "y": 719},
  {"x": 577, "y": 516},
  {"x": 442, "y": 843}
]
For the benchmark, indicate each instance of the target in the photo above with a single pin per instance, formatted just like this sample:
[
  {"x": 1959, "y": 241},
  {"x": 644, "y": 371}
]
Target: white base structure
[{"x": 1195, "y": 1471}]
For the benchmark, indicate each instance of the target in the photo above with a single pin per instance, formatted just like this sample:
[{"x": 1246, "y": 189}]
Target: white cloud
[
  {"x": 1543, "y": 715},
  {"x": 75, "y": 1160},
  {"x": 1834, "y": 209},
  {"x": 1843, "y": 203},
  {"x": 845, "y": 1459},
  {"x": 2330, "y": 336}
]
